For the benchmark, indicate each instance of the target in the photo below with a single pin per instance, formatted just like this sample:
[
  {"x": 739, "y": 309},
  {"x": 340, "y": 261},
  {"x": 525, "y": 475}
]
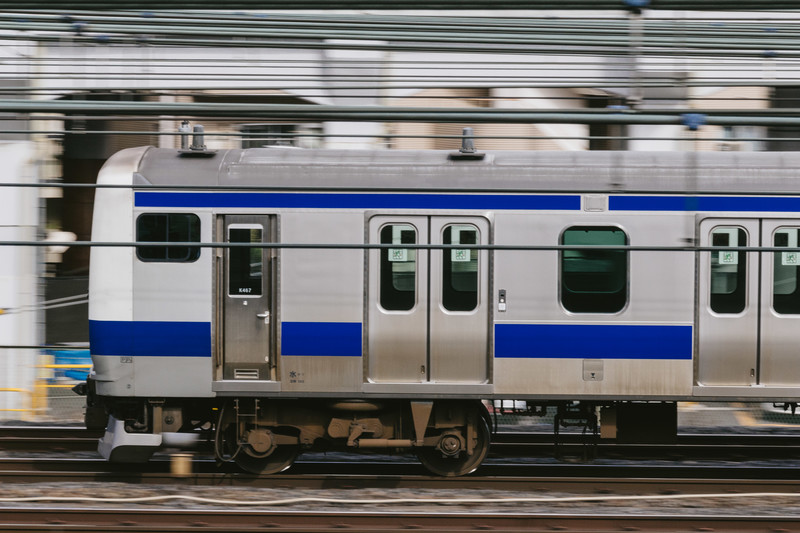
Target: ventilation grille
[{"x": 245, "y": 373}]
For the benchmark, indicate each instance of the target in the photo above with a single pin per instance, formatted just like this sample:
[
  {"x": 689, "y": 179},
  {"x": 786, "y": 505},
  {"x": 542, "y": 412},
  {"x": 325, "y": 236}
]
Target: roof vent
[
  {"x": 198, "y": 147},
  {"x": 467, "y": 151}
]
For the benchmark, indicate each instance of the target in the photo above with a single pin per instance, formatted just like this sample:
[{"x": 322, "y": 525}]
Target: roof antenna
[
  {"x": 467, "y": 151},
  {"x": 184, "y": 130},
  {"x": 198, "y": 147}
]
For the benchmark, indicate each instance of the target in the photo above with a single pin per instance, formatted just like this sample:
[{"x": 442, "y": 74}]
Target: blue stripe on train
[
  {"x": 193, "y": 339},
  {"x": 358, "y": 200},
  {"x": 176, "y": 339},
  {"x": 704, "y": 203},
  {"x": 341, "y": 339},
  {"x": 534, "y": 202},
  {"x": 568, "y": 341}
]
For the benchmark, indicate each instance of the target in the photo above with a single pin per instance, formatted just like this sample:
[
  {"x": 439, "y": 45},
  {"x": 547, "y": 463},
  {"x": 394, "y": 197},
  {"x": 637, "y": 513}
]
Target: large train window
[
  {"x": 728, "y": 271},
  {"x": 594, "y": 281},
  {"x": 398, "y": 277},
  {"x": 245, "y": 263},
  {"x": 785, "y": 293},
  {"x": 460, "y": 269},
  {"x": 168, "y": 227}
]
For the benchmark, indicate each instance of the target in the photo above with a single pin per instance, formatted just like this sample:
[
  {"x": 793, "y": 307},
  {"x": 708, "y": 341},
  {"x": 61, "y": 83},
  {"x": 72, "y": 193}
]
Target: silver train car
[{"x": 380, "y": 299}]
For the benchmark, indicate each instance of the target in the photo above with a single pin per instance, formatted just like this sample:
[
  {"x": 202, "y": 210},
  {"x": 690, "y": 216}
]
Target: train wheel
[
  {"x": 449, "y": 458},
  {"x": 260, "y": 453},
  {"x": 279, "y": 460}
]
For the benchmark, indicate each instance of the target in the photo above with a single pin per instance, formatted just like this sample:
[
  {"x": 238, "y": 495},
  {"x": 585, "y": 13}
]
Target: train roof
[{"x": 618, "y": 171}]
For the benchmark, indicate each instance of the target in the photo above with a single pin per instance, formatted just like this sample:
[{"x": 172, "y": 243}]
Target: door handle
[{"x": 265, "y": 316}]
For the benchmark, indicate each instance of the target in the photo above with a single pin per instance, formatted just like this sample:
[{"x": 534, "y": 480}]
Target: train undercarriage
[
  {"x": 450, "y": 437},
  {"x": 265, "y": 436}
]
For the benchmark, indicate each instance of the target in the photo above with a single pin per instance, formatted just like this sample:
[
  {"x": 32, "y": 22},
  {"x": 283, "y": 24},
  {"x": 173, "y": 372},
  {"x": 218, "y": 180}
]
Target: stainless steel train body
[{"x": 366, "y": 324}]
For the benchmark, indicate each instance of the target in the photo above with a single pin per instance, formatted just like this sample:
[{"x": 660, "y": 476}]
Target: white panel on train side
[
  {"x": 175, "y": 291},
  {"x": 179, "y": 293},
  {"x": 174, "y": 376},
  {"x": 660, "y": 296},
  {"x": 321, "y": 289},
  {"x": 322, "y": 285},
  {"x": 19, "y": 221},
  {"x": 111, "y": 268}
]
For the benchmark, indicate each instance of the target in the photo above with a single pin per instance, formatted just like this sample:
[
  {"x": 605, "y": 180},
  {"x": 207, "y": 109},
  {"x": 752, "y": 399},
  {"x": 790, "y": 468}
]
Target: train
[{"x": 289, "y": 299}]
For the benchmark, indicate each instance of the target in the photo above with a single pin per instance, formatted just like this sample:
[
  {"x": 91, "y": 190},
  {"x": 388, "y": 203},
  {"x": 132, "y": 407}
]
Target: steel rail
[
  {"x": 504, "y": 444},
  {"x": 316, "y": 471},
  {"x": 433, "y": 521}
]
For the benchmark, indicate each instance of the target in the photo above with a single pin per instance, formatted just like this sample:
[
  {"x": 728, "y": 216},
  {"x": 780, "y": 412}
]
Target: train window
[
  {"x": 168, "y": 227},
  {"x": 728, "y": 271},
  {"x": 785, "y": 293},
  {"x": 594, "y": 281},
  {"x": 398, "y": 275},
  {"x": 245, "y": 263},
  {"x": 460, "y": 269}
]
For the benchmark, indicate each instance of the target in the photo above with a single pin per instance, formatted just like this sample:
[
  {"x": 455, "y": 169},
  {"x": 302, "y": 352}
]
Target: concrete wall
[{"x": 19, "y": 323}]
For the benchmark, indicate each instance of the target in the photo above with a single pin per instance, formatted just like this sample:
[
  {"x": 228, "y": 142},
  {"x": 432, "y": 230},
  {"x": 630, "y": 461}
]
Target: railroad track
[
  {"x": 48, "y": 438},
  {"x": 505, "y": 444},
  {"x": 593, "y": 487},
  {"x": 334, "y": 474},
  {"x": 135, "y": 521}
]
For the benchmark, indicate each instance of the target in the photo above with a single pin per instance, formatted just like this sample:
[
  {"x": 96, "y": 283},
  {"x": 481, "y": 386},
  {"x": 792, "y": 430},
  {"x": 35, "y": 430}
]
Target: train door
[
  {"x": 728, "y": 304},
  {"x": 246, "y": 298},
  {"x": 780, "y": 304},
  {"x": 428, "y": 317},
  {"x": 749, "y": 314}
]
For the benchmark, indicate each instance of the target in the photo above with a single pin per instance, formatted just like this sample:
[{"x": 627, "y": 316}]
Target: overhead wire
[{"x": 534, "y": 35}]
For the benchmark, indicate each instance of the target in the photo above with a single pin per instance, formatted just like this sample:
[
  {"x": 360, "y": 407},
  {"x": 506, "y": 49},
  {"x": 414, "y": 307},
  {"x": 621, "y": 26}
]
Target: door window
[
  {"x": 398, "y": 270},
  {"x": 728, "y": 271},
  {"x": 785, "y": 294},
  {"x": 460, "y": 268},
  {"x": 245, "y": 263}
]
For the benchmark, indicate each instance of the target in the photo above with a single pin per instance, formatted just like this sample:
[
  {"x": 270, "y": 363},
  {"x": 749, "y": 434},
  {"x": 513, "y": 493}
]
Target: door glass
[
  {"x": 460, "y": 269},
  {"x": 728, "y": 271},
  {"x": 245, "y": 266},
  {"x": 398, "y": 272},
  {"x": 785, "y": 294}
]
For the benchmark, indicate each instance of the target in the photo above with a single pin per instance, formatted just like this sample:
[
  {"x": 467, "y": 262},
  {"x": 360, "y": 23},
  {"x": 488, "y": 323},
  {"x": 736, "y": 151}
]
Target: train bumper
[{"x": 117, "y": 445}]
